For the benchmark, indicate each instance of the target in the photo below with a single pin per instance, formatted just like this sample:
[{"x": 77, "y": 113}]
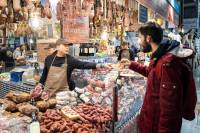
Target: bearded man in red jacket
[{"x": 171, "y": 93}]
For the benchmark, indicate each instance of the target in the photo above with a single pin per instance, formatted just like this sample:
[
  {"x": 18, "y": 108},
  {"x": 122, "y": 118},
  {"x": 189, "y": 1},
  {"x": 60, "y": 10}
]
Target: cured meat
[
  {"x": 3, "y": 3},
  {"x": 10, "y": 15},
  {"x": 26, "y": 108},
  {"x": 47, "y": 10},
  {"x": 126, "y": 19},
  {"x": 18, "y": 97},
  {"x": 29, "y": 4},
  {"x": 16, "y": 5},
  {"x": 59, "y": 11},
  {"x": 42, "y": 105},
  {"x": 9, "y": 105},
  {"x": 3, "y": 16},
  {"x": 25, "y": 13}
]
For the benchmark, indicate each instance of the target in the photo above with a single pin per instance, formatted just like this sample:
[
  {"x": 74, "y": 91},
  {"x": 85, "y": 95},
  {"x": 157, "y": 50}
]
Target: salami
[{"x": 16, "y": 5}]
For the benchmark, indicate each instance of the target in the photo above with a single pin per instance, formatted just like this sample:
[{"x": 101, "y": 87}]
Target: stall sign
[
  {"x": 143, "y": 14},
  {"x": 190, "y": 23},
  {"x": 75, "y": 24},
  {"x": 76, "y": 29},
  {"x": 163, "y": 8}
]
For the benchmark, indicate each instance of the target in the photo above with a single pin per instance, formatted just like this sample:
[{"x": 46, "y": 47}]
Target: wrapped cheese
[
  {"x": 70, "y": 113},
  {"x": 81, "y": 91},
  {"x": 62, "y": 102},
  {"x": 74, "y": 94},
  {"x": 63, "y": 98},
  {"x": 62, "y": 93},
  {"x": 86, "y": 99},
  {"x": 73, "y": 99}
]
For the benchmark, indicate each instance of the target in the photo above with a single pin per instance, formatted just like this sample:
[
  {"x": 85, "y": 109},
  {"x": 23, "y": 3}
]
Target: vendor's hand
[
  {"x": 107, "y": 66},
  {"x": 103, "y": 66},
  {"x": 45, "y": 95},
  {"x": 125, "y": 62},
  {"x": 37, "y": 91}
]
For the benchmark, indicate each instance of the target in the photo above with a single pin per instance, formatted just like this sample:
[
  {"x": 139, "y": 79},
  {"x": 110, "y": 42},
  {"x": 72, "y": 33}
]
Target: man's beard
[{"x": 146, "y": 48}]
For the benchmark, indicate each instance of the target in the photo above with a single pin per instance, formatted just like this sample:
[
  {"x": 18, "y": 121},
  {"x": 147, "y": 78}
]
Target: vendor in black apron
[{"x": 57, "y": 71}]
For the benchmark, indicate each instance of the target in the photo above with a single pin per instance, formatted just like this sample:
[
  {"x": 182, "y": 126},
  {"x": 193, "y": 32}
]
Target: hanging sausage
[
  {"x": 109, "y": 14},
  {"x": 48, "y": 9},
  {"x": 23, "y": 29},
  {"x": 43, "y": 13},
  {"x": 16, "y": 5},
  {"x": 25, "y": 13},
  {"x": 29, "y": 4},
  {"x": 59, "y": 10},
  {"x": 3, "y": 16},
  {"x": 114, "y": 13},
  {"x": 10, "y": 15},
  {"x": 35, "y": 1},
  {"x": 87, "y": 8},
  {"x": 91, "y": 12},
  {"x": 126, "y": 19},
  {"x": 3, "y": 3},
  {"x": 28, "y": 30}
]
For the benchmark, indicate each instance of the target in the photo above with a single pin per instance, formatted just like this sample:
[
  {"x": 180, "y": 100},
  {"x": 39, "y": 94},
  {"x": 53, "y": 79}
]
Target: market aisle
[{"x": 194, "y": 126}]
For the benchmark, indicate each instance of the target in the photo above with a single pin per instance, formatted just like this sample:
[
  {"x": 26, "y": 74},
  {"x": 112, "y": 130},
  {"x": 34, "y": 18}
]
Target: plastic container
[{"x": 16, "y": 76}]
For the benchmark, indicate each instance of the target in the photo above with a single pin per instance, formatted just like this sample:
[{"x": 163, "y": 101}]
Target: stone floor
[{"x": 194, "y": 126}]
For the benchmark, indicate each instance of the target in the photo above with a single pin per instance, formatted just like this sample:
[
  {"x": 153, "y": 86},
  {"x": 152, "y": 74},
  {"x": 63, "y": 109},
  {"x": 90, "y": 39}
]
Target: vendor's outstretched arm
[{"x": 82, "y": 65}]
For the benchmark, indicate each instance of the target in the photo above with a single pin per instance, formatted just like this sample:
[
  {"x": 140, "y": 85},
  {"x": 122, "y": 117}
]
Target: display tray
[
  {"x": 99, "y": 92},
  {"x": 30, "y": 82},
  {"x": 6, "y": 86},
  {"x": 127, "y": 75}
]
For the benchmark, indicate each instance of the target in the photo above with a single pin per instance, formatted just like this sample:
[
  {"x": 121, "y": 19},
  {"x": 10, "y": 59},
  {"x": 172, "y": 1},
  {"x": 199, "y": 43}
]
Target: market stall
[{"x": 85, "y": 109}]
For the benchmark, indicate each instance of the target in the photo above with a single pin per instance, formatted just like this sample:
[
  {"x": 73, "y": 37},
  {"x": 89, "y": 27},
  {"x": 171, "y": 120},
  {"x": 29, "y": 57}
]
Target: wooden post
[
  {"x": 181, "y": 14},
  {"x": 61, "y": 21},
  {"x": 4, "y": 35}
]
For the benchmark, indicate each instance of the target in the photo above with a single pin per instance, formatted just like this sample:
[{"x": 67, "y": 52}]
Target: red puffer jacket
[{"x": 162, "y": 110}]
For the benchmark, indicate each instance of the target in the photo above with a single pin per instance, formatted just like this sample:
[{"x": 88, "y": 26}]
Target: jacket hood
[{"x": 173, "y": 47}]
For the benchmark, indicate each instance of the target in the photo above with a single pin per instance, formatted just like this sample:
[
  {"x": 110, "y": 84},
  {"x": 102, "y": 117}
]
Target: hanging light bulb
[
  {"x": 35, "y": 20},
  {"x": 35, "y": 23},
  {"x": 104, "y": 35}
]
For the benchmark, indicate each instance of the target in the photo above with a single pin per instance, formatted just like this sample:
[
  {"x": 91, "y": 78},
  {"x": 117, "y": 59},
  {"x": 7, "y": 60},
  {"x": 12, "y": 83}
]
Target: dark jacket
[
  {"x": 72, "y": 64},
  {"x": 162, "y": 109},
  {"x": 6, "y": 55},
  {"x": 132, "y": 55}
]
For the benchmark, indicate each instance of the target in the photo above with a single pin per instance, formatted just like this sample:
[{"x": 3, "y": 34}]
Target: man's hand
[
  {"x": 45, "y": 95},
  {"x": 141, "y": 55},
  {"x": 108, "y": 66},
  {"x": 37, "y": 91}
]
